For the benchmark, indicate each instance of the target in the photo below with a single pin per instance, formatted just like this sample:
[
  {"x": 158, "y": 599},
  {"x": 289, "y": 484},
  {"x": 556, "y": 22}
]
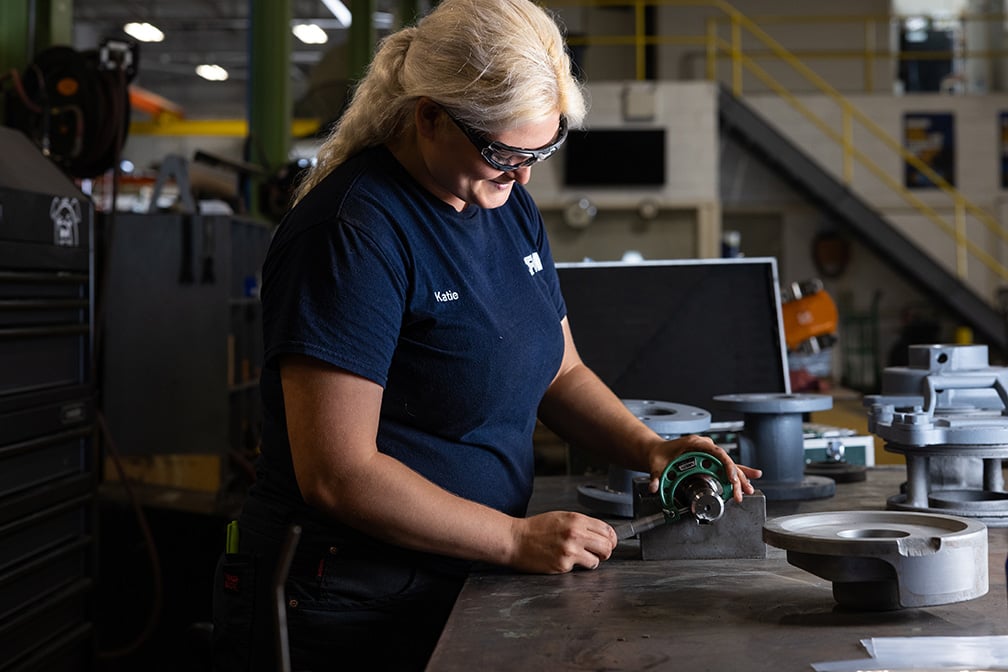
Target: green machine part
[{"x": 695, "y": 484}]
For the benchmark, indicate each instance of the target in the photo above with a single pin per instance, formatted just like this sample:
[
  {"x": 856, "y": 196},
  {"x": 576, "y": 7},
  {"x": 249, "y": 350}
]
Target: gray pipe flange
[
  {"x": 773, "y": 439},
  {"x": 668, "y": 420},
  {"x": 947, "y": 414},
  {"x": 879, "y": 560}
]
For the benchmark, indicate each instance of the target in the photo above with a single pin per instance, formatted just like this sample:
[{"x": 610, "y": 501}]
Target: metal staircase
[{"x": 750, "y": 130}]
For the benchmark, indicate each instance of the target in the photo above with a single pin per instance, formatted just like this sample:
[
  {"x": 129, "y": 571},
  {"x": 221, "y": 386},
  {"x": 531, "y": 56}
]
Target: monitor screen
[
  {"x": 614, "y": 157},
  {"x": 680, "y": 331}
]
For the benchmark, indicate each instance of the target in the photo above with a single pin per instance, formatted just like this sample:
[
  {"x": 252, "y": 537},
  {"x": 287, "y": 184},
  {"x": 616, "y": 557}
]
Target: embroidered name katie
[{"x": 447, "y": 295}]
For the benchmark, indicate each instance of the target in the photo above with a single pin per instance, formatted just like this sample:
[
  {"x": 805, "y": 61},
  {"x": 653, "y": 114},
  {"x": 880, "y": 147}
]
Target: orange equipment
[{"x": 808, "y": 317}]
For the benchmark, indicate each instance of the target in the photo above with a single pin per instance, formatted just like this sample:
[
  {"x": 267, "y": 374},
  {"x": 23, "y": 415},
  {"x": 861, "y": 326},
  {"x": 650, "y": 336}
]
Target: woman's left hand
[{"x": 740, "y": 476}]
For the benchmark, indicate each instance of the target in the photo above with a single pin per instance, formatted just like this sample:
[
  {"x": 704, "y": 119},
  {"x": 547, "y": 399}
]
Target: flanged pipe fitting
[{"x": 773, "y": 439}]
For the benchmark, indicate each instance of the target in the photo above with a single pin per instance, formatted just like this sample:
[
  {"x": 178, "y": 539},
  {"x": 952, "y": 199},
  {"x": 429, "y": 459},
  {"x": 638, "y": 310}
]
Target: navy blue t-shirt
[{"x": 456, "y": 315}]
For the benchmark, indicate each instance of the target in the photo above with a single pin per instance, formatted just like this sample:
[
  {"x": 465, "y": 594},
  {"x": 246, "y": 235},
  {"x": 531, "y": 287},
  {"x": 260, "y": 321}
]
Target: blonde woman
[{"x": 414, "y": 331}]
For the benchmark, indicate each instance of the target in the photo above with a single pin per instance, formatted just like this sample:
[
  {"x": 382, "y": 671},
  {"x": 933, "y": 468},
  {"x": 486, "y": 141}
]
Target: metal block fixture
[
  {"x": 736, "y": 534},
  {"x": 692, "y": 516},
  {"x": 47, "y": 415},
  {"x": 947, "y": 414}
]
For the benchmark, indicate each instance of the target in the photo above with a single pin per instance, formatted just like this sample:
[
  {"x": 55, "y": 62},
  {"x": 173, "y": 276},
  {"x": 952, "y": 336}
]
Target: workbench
[{"x": 631, "y": 614}]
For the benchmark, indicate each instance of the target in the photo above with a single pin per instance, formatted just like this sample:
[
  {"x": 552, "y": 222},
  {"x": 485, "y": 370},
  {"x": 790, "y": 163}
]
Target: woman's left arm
[{"x": 582, "y": 410}]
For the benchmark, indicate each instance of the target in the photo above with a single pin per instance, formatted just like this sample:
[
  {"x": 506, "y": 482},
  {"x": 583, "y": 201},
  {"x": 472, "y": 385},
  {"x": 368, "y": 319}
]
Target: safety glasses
[{"x": 505, "y": 157}]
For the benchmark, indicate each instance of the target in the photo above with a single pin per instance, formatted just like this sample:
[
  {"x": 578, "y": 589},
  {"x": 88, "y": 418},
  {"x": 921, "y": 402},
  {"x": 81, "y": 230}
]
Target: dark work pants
[{"x": 349, "y": 606}]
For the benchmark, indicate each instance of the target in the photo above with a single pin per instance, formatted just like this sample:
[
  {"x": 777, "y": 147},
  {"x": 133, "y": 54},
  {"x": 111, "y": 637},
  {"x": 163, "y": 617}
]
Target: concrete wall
[
  {"x": 820, "y": 41},
  {"x": 678, "y": 219},
  {"x": 688, "y": 112}
]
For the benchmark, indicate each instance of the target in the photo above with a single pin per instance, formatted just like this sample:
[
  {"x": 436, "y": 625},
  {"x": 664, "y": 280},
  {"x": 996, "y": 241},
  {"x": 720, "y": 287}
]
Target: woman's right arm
[{"x": 332, "y": 421}]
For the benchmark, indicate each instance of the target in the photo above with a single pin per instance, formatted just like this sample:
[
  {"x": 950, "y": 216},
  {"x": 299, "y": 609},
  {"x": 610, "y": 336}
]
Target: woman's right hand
[{"x": 558, "y": 541}]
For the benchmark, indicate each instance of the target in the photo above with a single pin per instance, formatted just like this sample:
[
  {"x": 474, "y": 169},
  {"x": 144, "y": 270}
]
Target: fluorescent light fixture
[
  {"x": 144, "y": 32},
  {"x": 339, "y": 10},
  {"x": 310, "y": 33},
  {"x": 214, "y": 73}
]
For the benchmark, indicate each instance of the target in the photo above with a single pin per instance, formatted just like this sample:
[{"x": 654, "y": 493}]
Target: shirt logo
[
  {"x": 448, "y": 295},
  {"x": 534, "y": 263}
]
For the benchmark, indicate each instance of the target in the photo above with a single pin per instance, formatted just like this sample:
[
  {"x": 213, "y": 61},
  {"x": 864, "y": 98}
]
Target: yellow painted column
[{"x": 270, "y": 107}]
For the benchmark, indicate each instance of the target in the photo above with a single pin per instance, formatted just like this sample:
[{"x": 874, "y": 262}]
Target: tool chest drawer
[
  {"x": 48, "y": 475},
  {"x": 44, "y": 329},
  {"x": 60, "y": 613}
]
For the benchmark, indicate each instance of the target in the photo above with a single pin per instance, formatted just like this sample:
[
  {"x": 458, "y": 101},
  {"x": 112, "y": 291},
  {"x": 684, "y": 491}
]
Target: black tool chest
[{"x": 47, "y": 415}]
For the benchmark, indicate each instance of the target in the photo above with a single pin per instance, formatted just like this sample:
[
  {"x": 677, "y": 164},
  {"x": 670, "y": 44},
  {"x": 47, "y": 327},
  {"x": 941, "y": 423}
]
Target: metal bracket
[{"x": 174, "y": 167}]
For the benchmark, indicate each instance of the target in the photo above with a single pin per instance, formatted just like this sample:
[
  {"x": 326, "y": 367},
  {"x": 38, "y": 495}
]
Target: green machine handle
[{"x": 694, "y": 484}]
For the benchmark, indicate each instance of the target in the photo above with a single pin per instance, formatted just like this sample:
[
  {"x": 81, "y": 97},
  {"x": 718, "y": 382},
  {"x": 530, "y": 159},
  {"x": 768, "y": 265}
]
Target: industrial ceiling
[{"x": 216, "y": 32}]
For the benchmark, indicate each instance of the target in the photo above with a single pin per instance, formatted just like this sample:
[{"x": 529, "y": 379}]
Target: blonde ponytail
[{"x": 496, "y": 64}]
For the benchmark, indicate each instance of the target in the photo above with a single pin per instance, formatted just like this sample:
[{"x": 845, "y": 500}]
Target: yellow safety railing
[
  {"x": 717, "y": 48},
  {"x": 869, "y": 53}
]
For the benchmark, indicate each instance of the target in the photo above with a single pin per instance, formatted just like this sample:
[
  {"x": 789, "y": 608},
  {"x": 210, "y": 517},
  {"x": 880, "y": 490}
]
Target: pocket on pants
[
  {"x": 234, "y": 602},
  {"x": 351, "y": 583}
]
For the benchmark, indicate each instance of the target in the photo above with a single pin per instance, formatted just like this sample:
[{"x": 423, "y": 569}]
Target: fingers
[
  {"x": 738, "y": 475},
  {"x": 599, "y": 543},
  {"x": 559, "y": 541},
  {"x": 596, "y": 550},
  {"x": 740, "y": 483}
]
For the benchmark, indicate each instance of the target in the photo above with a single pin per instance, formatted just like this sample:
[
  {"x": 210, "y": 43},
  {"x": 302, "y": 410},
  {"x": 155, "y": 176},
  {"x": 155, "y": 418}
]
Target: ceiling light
[
  {"x": 214, "y": 73},
  {"x": 310, "y": 33},
  {"x": 144, "y": 32},
  {"x": 339, "y": 10}
]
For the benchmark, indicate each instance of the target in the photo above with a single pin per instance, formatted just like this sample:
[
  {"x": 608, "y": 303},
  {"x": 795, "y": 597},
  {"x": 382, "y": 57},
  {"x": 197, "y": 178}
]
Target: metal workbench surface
[{"x": 716, "y": 615}]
